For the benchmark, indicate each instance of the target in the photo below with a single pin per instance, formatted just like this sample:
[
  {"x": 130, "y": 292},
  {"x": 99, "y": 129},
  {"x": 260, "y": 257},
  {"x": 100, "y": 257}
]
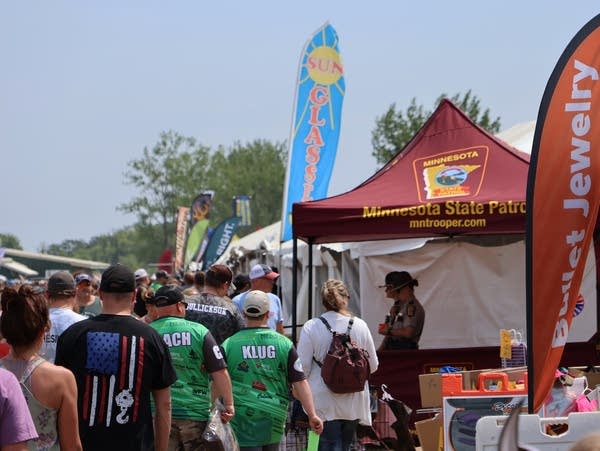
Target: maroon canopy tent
[{"x": 452, "y": 178}]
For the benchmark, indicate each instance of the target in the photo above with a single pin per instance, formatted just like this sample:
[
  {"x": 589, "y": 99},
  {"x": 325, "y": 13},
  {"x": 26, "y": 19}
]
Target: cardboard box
[
  {"x": 430, "y": 433},
  {"x": 593, "y": 377},
  {"x": 430, "y": 385}
]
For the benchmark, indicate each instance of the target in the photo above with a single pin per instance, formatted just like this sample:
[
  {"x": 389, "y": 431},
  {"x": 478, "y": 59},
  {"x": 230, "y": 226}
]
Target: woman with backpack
[{"x": 341, "y": 412}]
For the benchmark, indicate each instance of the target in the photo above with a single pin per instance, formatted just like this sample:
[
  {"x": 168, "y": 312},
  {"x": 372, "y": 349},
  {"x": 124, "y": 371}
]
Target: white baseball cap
[
  {"x": 256, "y": 303},
  {"x": 140, "y": 273},
  {"x": 259, "y": 271}
]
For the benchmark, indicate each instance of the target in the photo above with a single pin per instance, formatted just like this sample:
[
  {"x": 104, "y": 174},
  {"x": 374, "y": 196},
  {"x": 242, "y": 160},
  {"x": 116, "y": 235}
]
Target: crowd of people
[
  {"x": 129, "y": 361},
  {"x": 126, "y": 361}
]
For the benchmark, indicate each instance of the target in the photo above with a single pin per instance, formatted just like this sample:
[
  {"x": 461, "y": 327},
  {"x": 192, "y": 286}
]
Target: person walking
[
  {"x": 50, "y": 390},
  {"x": 60, "y": 293},
  {"x": 16, "y": 425},
  {"x": 89, "y": 304},
  {"x": 212, "y": 308},
  {"x": 118, "y": 363},
  {"x": 197, "y": 359},
  {"x": 263, "y": 278},
  {"x": 341, "y": 412},
  {"x": 263, "y": 363}
]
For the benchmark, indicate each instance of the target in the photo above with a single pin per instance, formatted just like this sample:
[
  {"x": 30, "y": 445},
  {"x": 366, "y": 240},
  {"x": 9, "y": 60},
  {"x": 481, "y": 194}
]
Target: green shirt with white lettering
[
  {"x": 195, "y": 354},
  {"x": 262, "y": 363}
]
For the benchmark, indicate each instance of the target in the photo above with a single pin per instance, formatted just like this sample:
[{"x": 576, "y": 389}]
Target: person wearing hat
[
  {"x": 242, "y": 284},
  {"x": 212, "y": 308},
  {"x": 192, "y": 349},
  {"x": 160, "y": 278},
  {"x": 119, "y": 362},
  {"x": 263, "y": 363},
  {"x": 142, "y": 293},
  {"x": 60, "y": 293},
  {"x": 404, "y": 324},
  {"x": 263, "y": 278},
  {"x": 88, "y": 303}
]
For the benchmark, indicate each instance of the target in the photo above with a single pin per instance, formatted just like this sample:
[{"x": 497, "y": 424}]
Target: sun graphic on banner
[{"x": 322, "y": 66}]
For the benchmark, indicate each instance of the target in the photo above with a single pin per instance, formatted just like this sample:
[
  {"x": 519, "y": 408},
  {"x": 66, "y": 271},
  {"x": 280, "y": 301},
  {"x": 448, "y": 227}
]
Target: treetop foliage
[{"x": 395, "y": 128}]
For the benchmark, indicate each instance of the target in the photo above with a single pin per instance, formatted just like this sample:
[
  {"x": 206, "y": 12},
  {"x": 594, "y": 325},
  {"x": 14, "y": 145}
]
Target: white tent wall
[
  {"x": 325, "y": 266},
  {"x": 469, "y": 291}
]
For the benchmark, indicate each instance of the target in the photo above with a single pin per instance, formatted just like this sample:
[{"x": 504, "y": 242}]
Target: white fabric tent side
[{"x": 469, "y": 291}]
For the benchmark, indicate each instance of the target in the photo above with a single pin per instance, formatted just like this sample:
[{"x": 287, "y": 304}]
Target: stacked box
[{"x": 462, "y": 408}]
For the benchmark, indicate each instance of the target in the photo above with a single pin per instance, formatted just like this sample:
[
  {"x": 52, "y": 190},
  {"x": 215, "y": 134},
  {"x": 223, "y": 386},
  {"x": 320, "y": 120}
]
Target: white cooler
[{"x": 532, "y": 431}]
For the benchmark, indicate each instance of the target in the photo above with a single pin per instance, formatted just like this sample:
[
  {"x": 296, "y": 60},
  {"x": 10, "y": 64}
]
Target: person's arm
[
  {"x": 222, "y": 388},
  {"x": 301, "y": 391},
  {"x": 305, "y": 350},
  {"x": 162, "y": 418},
  {"x": 404, "y": 332},
  {"x": 21, "y": 446},
  {"x": 279, "y": 327},
  {"x": 68, "y": 423}
]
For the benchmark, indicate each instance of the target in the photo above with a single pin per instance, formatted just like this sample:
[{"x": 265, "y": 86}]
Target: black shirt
[{"x": 117, "y": 361}]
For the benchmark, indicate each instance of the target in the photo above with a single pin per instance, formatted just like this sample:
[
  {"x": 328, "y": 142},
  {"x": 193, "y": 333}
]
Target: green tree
[
  {"x": 167, "y": 176},
  {"x": 257, "y": 169},
  {"x": 66, "y": 248},
  {"x": 395, "y": 128},
  {"x": 135, "y": 246},
  {"x": 11, "y": 241}
]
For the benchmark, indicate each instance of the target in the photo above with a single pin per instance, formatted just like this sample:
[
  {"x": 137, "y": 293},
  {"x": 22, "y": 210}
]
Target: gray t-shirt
[
  {"x": 217, "y": 314},
  {"x": 61, "y": 318}
]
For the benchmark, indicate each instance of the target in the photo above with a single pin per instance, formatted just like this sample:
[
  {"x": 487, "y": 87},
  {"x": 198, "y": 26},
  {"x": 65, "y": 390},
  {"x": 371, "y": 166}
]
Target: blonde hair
[{"x": 333, "y": 293}]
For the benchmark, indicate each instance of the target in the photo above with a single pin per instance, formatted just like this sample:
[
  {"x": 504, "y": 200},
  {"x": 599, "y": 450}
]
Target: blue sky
[{"x": 84, "y": 86}]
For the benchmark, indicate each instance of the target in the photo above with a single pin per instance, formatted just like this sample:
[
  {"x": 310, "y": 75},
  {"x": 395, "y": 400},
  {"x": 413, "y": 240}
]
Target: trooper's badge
[{"x": 410, "y": 310}]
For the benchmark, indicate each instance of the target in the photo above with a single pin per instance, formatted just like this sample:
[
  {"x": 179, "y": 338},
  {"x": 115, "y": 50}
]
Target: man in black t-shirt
[{"x": 118, "y": 363}]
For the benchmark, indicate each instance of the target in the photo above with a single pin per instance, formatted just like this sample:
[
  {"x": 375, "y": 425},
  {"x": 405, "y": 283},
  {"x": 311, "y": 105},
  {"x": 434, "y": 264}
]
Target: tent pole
[
  {"x": 294, "y": 288},
  {"x": 310, "y": 278}
]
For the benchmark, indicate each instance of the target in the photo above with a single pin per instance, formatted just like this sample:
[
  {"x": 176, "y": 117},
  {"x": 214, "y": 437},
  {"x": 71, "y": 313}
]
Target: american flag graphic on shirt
[{"x": 115, "y": 365}]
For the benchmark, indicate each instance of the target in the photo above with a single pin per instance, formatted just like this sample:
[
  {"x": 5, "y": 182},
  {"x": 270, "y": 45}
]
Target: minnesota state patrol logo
[{"x": 451, "y": 174}]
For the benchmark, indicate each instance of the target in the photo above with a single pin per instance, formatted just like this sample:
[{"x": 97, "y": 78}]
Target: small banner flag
[
  {"x": 316, "y": 123},
  {"x": 180, "y": 233},
  {"x": 562, "y": 204},
  {"x": 241, "y": 208},
  {"x": 199, "y": 212},
  {"x": 220, "y": 239}
]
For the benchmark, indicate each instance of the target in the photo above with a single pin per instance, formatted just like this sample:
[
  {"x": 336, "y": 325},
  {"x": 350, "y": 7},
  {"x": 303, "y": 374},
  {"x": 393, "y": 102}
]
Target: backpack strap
[
  {"x": 324, "y": 321},
  {"x": 350, "y": 323}
]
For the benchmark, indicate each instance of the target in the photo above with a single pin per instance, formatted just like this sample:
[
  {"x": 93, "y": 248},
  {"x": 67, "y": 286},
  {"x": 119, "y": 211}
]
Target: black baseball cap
[
  {"x": 61, "y": 282},
  {"x": 117, "y": 279},
  {"x": 167, "y": 295}
]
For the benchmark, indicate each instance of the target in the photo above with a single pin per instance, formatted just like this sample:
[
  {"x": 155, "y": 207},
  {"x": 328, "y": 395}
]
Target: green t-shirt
[
  {"x": 262, "y": 363},
  {"x": 195, "y": 354}
]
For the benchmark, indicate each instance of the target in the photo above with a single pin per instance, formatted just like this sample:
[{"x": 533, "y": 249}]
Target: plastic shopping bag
[{"x": 220, "y": 435}]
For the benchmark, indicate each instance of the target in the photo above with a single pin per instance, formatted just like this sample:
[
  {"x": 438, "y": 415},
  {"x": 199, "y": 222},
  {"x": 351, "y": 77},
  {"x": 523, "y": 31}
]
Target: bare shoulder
[{"x": 55, "y": 375}]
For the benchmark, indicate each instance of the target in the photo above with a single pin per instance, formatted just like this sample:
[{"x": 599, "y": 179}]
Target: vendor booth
[{"x": 457, "y": 193}]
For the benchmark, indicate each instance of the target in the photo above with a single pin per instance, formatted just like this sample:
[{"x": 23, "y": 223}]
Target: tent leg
[{"x": 294, "y": 288}]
